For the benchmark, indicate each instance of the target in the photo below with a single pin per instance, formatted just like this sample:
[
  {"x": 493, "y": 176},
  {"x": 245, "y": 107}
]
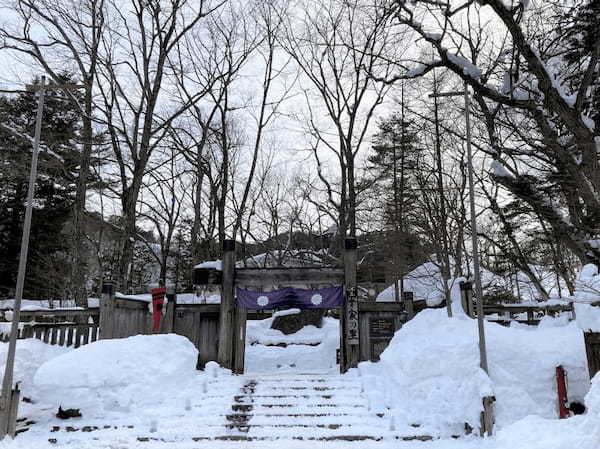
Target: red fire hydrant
[{"x": 158, "y": 299}]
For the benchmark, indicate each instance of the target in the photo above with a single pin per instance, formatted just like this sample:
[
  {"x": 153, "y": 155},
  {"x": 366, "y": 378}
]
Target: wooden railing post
[
  {"x": 227, "y": 310},
  {"x": 107, "y": 311},
  {"x": 350, "y": 327}
]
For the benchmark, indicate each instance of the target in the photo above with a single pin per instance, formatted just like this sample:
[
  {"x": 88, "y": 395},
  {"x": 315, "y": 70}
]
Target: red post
[
  {"x": 158, "y": 298},
  {"x": 561, "y": 388}
]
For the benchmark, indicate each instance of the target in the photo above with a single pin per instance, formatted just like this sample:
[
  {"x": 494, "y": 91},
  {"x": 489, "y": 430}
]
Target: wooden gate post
[
  {"x": 107, "y": 311},
  {"x": 239, "y": 344},
  {"x": 227, "y": 310},
  {"x": 350, "y": 328}
]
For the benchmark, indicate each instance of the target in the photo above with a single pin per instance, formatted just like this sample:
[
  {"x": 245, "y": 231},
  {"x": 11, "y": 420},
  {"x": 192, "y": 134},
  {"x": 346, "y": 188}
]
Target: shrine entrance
[
  {"x": 366, "y": 327},
  {"x": 252, "y": 289}
]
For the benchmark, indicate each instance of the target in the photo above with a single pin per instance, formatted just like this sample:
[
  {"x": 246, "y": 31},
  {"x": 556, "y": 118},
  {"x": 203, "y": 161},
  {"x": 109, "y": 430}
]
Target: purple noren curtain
[{"x": 323, "y": 298}]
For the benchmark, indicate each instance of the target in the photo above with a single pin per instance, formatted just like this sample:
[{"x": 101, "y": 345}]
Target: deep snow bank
[
  {"x": 429, "y": 375},
  {"x": 118, "y": 373},
  {"x": 534, "y": 432}
]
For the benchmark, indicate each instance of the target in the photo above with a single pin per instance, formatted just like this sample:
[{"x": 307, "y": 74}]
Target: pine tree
[
  {"x": 393, "y": 162},
  {"x": 47, "y": 272}
]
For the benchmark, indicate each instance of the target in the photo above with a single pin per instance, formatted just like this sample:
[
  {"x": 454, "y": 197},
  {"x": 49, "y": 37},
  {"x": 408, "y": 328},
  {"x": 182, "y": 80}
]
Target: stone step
[
  {"x": 308, "y": 388},
  {"x": 324, "y": 397},
  {"x": 311, "y": 405}
]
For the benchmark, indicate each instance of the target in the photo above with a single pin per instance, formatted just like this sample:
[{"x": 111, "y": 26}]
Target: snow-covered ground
[{"x": 144, "y": 391}]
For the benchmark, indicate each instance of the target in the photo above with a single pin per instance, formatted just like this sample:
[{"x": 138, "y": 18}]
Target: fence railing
[
  {"x": 63, "y": 327},
  {"x": 508, "y": 313}
]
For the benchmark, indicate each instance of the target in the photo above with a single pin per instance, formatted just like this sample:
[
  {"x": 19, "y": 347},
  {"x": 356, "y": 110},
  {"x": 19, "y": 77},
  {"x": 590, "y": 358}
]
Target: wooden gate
[{"x": 232, "y": 323}]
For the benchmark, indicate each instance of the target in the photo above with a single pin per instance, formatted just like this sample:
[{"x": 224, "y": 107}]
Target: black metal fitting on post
[
  {"x": 350, "y": 243},
  {"x": 228, "y": 245}
]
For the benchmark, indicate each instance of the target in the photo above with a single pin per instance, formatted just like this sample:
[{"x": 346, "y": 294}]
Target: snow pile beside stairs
[
  {"x": 119, "y": 373},
  {"x": 30, "y": 355},
  {"x": 430, "y": 375}
]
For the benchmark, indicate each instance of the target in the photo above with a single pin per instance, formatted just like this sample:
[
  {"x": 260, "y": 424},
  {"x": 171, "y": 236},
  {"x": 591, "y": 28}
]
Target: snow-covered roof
[
  {"x": 215, "y": 264},
  {"x": 283, "y": 258}
]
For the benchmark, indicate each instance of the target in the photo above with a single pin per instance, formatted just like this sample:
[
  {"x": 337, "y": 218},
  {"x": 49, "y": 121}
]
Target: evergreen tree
[
  {"x": 47, "y": 272},
  {"x": 394, "y": 160},
  {"x": 581, "y": 28},
  {"x": 393, "y": 163}
]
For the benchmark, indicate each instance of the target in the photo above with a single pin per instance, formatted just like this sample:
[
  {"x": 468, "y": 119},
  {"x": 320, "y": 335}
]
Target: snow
[
  {"x": 416, "y": 71},
  {"x": 33, "y": 305},
  {"x": 216, "y": 264},
  {"x": 118, "y": 373},
  {"x": 467, "y": 66},
  {"x": 425, "y": 282},
  {"x": 430, "y": 375},
  {"x": 30, "y": 355},
  {"x": 499, "y": 170},
  {"x": 309, "y": 350},
  {"x": 286, "y": 312}
]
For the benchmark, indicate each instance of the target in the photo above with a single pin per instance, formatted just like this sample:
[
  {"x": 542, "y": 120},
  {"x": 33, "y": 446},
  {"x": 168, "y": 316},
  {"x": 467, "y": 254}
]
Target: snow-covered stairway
[
  {"x": 308, "y": 407},
  {"x": 261, "y": 407}
]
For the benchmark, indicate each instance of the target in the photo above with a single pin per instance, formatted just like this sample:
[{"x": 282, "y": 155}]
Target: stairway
[
  {"x": 308, "y": 407},
  {"x": 271, "y": 407}
]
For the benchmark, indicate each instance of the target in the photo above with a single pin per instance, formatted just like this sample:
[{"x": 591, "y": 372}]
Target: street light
[{"x": 9, "y": 402}]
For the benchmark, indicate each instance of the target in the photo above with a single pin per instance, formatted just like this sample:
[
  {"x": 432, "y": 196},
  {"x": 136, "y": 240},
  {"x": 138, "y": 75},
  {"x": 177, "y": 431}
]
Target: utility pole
[
  {"x": 445, "y": 262},
  {"x": 402, "y": 167},
  {"x": 9, "y": 402},
  {"x": 488, "y": 412},
  {"x": 396, "y": 246}
]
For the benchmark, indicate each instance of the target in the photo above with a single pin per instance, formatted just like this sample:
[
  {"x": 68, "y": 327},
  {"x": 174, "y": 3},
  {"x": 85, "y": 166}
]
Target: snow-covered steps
[
  {"x": 260, "y": 408},
  {"x": 309, "y": 407}
]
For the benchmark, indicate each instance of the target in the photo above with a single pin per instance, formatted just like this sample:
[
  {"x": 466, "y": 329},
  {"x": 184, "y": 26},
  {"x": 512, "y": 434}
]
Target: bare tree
[
  {"x": 535, "y": 111},
  {"x": 133, "y": 82},
  {"x": 341, "y": 47}
]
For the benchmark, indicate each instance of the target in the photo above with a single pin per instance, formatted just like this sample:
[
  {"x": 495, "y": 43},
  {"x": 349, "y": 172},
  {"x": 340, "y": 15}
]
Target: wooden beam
[
  {"x": 370, "y": 306},
  {"x": 258, "y": 277}
]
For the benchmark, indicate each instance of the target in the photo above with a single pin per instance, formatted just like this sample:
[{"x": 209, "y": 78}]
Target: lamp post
[{"x": 9, "y": 401}]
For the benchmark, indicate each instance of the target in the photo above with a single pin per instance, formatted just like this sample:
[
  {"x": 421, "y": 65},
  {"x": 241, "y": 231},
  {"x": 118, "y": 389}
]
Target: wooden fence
[
  {"x": 63, "y": 327},
  {"x": 534, "y": 313}
]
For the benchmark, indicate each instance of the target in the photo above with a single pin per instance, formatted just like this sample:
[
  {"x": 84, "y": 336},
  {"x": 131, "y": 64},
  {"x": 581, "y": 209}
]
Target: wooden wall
[
  {"x": 200, "y": 324},
  {"x": 131, "y": 317}
]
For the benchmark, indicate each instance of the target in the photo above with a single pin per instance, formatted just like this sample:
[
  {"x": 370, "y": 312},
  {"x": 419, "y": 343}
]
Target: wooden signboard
[
  {"x": 352, "y": 317},
  {"x": 382, "y": 327}
]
